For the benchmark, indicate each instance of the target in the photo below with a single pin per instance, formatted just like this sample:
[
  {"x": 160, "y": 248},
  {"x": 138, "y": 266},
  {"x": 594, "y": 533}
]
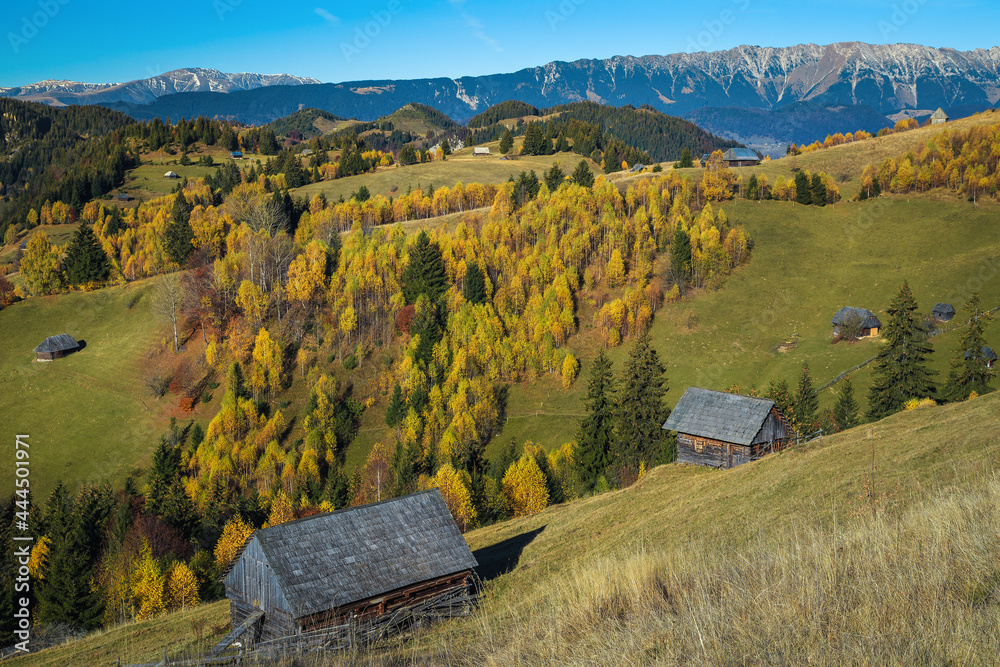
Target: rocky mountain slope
[{"x": 143, "y": 91}]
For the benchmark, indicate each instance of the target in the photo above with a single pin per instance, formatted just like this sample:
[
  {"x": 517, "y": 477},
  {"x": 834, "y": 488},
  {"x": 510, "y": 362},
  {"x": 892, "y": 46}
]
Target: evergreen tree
[
  {"x": 506, "y": 141},
  {"x": 901, "y": 365},
  {"x": 845, "y": 410},
  {"x": 425, "y": 273},
  {"x": 85, "y": 259},
  {"x": 782, "y": 397},
  {"x": 178, "y": 236},
  {"x": 65, "y": 596},
  {"x": 445, "y": 147},
  {"x": 969, "y": 372},
  {"x": 806, "y": 404},
  {"x": 582, "y": 175},
  {"x": 753, "y": 188},
  {"x": 474, "y": 287},
  {"x": 818, "y": 191},
  {"x": 641, "y": 411},
  {"x": 595, "y": 436},
  {"x": 686, "y": 161},
  {"x": 554, "y": 177},
  {"x": 395, "y": 411},
  {"x": 803, "y": 191},
  {"x": 680, "y": 258},
  {"x": 163, "y": 473},
  {"x": 562, "y": 144},
  {"x": 534, "y": 140}
]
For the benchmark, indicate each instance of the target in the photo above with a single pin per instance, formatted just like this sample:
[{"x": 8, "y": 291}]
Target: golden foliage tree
[
  {"x": 455, "y": 487},
  {"x": 570, "y": 369},
  {"x": 282, "y": 510},
  {"x": 234, "y": 535},
  {"x": 148, "y": 586},
  {"x": 40, "y": 265},
  {"x": 181, "y": 587},
  {"x": 524, "y": 485}
]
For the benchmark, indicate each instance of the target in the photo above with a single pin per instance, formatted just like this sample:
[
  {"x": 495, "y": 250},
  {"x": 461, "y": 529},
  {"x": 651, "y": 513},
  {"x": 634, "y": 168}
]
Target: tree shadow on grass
[{"x": 501, "y": 558}]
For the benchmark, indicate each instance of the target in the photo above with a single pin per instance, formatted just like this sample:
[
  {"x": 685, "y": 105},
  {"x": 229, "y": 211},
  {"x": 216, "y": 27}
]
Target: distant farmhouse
[
  {"x": 986, "y": 354},
  {"x": 236, "y": 155},
  {"x": 171, "y": 174},
  {"x": 943, "y": 312},
  {"x": 726, "y": 430},
  {"x": 939, "y": 117},
  {"x": 54, "y": 347},
  {"x": 480, "y": 150},
  {"x": 861, "y": 319},
  {"x": 741, "y": 157},
  {"x": 352, "y": 565}
]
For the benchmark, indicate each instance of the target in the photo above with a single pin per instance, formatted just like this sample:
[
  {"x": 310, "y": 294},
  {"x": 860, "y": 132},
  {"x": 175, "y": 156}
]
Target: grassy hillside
[
  {"x": 460, "y": 166},
  {"x": 668, "y": 569},
  {"x": 89, "y": 415},
  {"x": 419, "y": 119}
]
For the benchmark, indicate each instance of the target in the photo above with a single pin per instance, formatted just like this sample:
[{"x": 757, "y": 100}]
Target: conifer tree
[
  {"x": 806, "y": 402},
  {"x": 641, "y": 411},
  {"x": 395, "y": 411},
  {"x": 819, "y": 193},
  {"x": 506, "y": 141},
  {"x": 66, "y": 595},
  {"x": 803, "y": 190},
  {"x": 425, "y": 273},
  {"x": 474, "y": 287},
  {"x": 680, "y": 258},
  {"x": 178, "y": 236},
  {"x": 163, "y": 473},
  {"x": 901, "y": 371},
  {"x": 969, "y": 372},
  {"x": 445, "y": 147},
  {"x": 753, "y": 188},
  {"x": 554, "y": 178},
  {"x": 782, "y": 397},
  {"x": 686, "y": 161},
  {"x": 595, "y": 436},
  {"x": 845, "y": 410},
  {"x": 85, "y": 260},
  {"x": 582, "y": 175}
]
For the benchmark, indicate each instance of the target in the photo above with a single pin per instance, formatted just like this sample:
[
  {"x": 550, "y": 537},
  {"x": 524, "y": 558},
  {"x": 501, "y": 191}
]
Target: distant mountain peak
[{"x": 144, "y": 91}]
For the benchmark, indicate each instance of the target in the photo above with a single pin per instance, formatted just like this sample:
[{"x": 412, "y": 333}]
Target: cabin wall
[
  {"x": 250, "y": 585},
  {"x": 709, "y": 452},
  {"x": 274, "y": 625},
  {"x": 775, "y": 428}
]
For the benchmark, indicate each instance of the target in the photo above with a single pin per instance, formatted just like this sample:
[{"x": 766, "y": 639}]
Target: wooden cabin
[
  {"x": 54, "y": 347},
  {"x": 943, "y": 312},
  {"x": 741, "y": 157},
  {"x": 236, "y": 155},
  {"x": 860, "y": 319},
  {"x": 939, "y": 117},
  {"x": 480, "y": 151},
  {"x": 986, "y": 355},
  {"x": 724, "y": 430},
  {"x": 353, "y": 565}
]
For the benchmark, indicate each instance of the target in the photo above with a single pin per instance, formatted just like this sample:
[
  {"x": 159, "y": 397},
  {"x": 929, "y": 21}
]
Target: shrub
[{"x": 350, "y": 363}]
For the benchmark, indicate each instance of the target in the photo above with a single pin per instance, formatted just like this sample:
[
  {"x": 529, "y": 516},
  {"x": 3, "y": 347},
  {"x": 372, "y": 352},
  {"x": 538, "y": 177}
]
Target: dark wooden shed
[
  {"x": 943, "y": 312},
  {"x": 355, "y": 564},
  {"x": 54, "y": 347},
  {"x": 741, "y": 157},
  {"x": 986, "y": 354},
  {"x": 861, "y": 319},
  {"x": 724, "y": 430}
]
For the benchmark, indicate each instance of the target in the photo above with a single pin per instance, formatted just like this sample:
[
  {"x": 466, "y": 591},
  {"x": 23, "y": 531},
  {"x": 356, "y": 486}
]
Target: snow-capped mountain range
[{"x": 143, "y": 91}]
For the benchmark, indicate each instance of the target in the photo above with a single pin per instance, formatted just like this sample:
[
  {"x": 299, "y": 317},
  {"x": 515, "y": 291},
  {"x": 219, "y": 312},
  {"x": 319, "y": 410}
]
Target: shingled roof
[
  {"x": 939, "y": 114},
  {"x": 329, "y": 560},
  {"x": 720, "y": 416},
  {"x": 734, "y": 154},
  {"x": 943, "y": 311},
  {"x": 60, "y": 343},
  {"x": 865, "y": 316}
]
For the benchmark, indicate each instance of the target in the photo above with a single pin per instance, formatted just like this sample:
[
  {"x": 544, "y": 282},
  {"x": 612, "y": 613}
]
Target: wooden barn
[
  {"x": 939, "y": 117},
  {"x": 726, "y": 430},
  {"x": 480, "y": 151},
  {"x": 54, "y": 347},
  {"x": 353, "y": 565},
  {"x": 861, "y": 319}
]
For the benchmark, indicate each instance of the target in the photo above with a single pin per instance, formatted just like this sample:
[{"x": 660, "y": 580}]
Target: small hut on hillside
[
  {"x": 54, "y": 347},
  {"x": 939, "y": 117},
  {"x": 986, "y": 354},
  {"x": 856, "y": 320},
  {"x": 724, "y": 430},
  {"x": 353, "y": 565},
  {"x": 943, "y": 312},
  {"x": 479, "y": 151},
  {"x": 171, "y": 174},
  {"x": 741, "y": 157}
]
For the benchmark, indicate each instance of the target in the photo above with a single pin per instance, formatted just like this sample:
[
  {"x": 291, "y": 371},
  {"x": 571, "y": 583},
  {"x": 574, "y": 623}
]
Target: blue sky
[{"x": 334, "y": 41}]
